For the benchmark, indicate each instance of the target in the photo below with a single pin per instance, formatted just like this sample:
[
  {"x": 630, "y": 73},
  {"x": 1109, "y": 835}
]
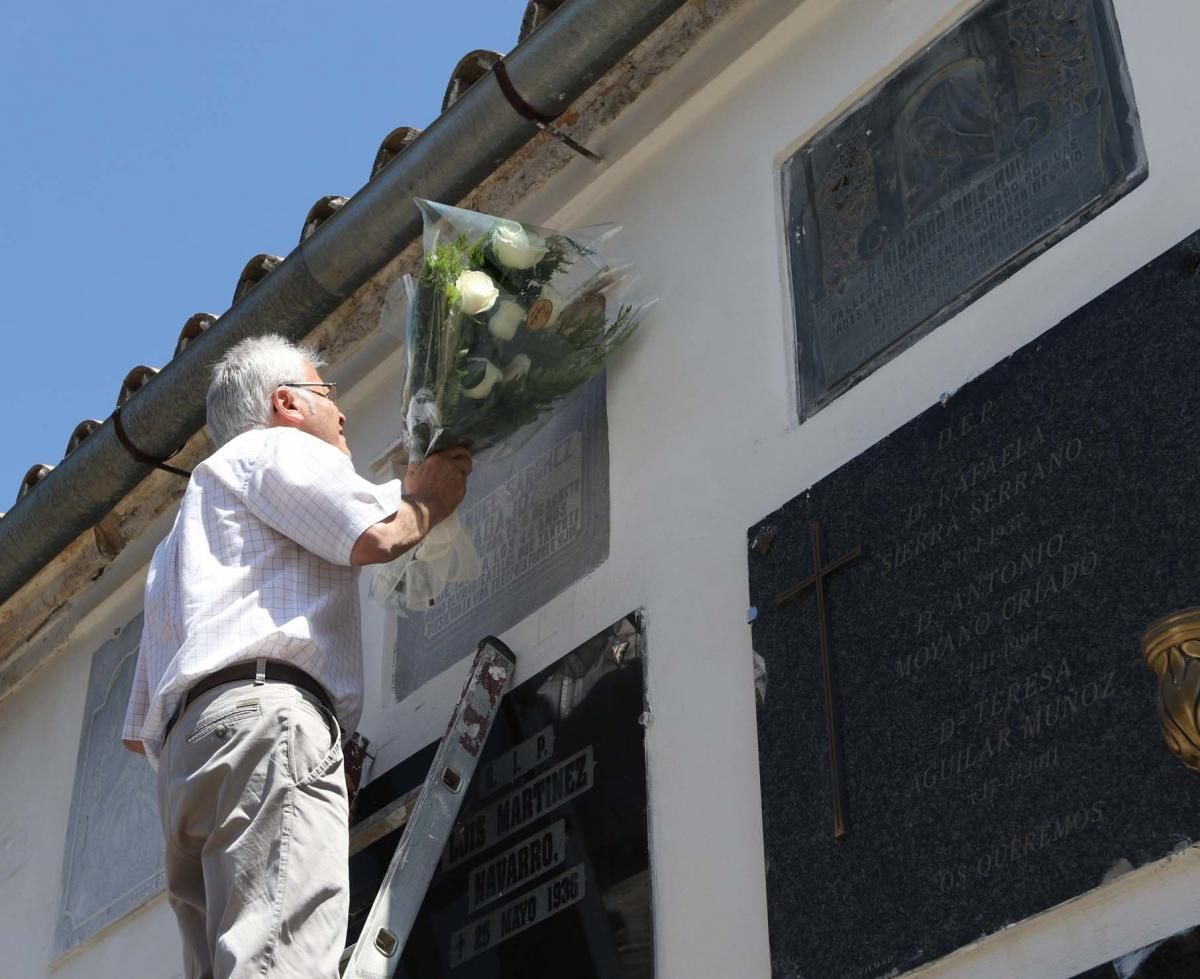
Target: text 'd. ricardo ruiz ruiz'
[{"x": 531, "y": 908}]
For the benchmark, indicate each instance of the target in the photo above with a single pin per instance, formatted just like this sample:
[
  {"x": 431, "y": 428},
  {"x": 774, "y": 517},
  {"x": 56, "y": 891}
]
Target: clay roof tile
[
  {"x": 394, "y": 143},
  {"x": 466, "y": 73},
  {"x": 257, "y": 269},
  {"x": 321, "y": 212},
  {"x": 34, "y": 476},
  {"x": 192, "y": 330},
  {"x": 134, "y": 381},
  {"x": 536, "y": 14},
  {"x": 81, "y": 432}
]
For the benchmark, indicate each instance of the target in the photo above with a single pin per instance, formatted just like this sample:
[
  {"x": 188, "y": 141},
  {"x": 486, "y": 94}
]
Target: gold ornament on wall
[{"x": 1171, "y": 648}]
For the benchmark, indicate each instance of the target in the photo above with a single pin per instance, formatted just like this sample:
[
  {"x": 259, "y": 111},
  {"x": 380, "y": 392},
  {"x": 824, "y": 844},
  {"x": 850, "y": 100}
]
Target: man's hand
[
  {"x": 432, "y": 491},
  {"x": 439, "y": 483}
]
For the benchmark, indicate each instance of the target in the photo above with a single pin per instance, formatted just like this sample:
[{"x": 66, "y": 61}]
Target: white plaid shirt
[{"x": 258, "y": 565}]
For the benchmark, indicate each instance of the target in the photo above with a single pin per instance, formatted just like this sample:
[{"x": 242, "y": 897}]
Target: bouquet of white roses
[{"x": 504, "y": 320}]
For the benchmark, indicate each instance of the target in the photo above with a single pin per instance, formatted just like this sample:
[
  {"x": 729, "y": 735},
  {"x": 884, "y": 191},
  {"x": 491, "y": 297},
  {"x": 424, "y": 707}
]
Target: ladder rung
[{"x": 387, "y": 820}]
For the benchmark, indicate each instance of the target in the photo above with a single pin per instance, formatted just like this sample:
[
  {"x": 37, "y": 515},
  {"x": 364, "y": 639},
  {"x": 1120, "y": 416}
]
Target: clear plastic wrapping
[{"x": 503, "y": 321}]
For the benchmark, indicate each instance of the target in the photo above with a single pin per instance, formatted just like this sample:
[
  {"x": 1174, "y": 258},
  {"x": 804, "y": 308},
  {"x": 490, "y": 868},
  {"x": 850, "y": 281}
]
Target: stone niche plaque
[
  {"x": 113, "y": 860},
  {"x": 1000, "y": 139},
  {"x": 1000, "y": 750},
  {"x": 547, "y": 873},
  {"x": 540, "y": 522}
]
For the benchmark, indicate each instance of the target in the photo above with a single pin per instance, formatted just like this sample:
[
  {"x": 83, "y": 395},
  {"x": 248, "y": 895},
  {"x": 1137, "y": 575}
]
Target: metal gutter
[{"x": 463, "y": 146}]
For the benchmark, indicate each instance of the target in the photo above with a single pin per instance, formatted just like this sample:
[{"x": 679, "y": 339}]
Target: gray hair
[{"x": 239, "y": 397}]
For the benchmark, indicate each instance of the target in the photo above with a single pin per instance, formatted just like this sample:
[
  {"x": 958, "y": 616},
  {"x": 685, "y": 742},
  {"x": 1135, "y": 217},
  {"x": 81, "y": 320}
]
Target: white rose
[
  {"x": 491, "y": 374},
  {"x": 515, "y": 247},
  {"x": 477, "y": 291},
  {"x": 505, "y": 320},
  {"x": 517, "y": 368}
]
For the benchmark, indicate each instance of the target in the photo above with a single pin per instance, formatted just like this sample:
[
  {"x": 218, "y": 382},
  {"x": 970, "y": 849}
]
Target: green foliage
[
  {"x": 441, "y": 341},
  {"x": 446, "y": 264}
]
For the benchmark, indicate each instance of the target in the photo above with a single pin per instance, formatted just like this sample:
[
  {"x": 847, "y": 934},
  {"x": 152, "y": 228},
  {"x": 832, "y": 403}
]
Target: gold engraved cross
[{"x": 816, "y": 581}]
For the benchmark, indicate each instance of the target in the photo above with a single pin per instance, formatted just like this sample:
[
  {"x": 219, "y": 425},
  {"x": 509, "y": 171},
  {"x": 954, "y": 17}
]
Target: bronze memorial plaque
[{"x": 1003, "y": 137}]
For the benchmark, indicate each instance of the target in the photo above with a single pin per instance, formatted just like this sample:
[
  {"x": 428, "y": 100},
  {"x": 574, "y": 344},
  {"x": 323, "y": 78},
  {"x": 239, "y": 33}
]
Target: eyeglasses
[{"x": 331, "y": 393}]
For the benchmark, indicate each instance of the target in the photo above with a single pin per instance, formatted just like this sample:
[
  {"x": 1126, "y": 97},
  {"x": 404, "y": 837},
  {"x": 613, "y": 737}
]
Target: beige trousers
[{"x": 254, "y": 812}]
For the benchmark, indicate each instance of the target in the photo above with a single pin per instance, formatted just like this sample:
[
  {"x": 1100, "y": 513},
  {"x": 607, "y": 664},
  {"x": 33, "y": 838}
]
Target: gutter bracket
[
  {"x": 140, "y": 456},
  {"x": 539, "y": 119}
]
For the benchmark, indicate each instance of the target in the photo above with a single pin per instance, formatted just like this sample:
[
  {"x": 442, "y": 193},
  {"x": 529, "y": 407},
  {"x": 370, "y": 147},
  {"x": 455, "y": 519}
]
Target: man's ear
[{"x": 286, "y": 407}]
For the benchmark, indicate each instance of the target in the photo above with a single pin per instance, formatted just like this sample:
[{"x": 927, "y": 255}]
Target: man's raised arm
[{"x": 432, "y": 491}]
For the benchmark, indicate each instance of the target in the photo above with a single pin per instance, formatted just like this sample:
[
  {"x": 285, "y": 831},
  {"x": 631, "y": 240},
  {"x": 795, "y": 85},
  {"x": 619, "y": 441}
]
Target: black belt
[{"x": 273, "y": 673}]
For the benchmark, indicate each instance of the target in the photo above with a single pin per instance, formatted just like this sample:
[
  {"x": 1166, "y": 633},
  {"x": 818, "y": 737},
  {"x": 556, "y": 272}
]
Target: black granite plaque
[
  {"x": 1000, "y": 748},
  {"x": 547, "y": 873},
  {"x": 1004, "y": 136}
]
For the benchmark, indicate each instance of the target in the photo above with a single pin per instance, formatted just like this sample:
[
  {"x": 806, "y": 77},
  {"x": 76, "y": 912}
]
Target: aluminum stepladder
[{"x": 431, "y": 819}]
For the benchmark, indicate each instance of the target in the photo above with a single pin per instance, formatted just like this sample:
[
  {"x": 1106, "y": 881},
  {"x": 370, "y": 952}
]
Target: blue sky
[{"x": 150, "y": 150}]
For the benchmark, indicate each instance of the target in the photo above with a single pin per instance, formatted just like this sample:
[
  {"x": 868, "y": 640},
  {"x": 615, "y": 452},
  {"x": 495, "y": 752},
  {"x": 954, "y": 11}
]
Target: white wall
[
  {"x": 39, "y": 729},
  {"x": 703, "y": 444}
]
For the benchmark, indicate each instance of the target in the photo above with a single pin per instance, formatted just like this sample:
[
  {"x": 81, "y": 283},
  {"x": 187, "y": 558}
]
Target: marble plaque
[
  {"x": 539, "y": 519},
  {"x": 1000, "y": 750},
  {"x": 1003, "y": 137},
  {"x": 547, "y": 872},
  {"x": 113, "y": 859}
]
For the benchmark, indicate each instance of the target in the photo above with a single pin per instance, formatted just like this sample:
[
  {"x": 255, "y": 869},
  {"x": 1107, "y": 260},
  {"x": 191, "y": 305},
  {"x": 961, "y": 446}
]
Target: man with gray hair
[{"x": 250, "y": 665}]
